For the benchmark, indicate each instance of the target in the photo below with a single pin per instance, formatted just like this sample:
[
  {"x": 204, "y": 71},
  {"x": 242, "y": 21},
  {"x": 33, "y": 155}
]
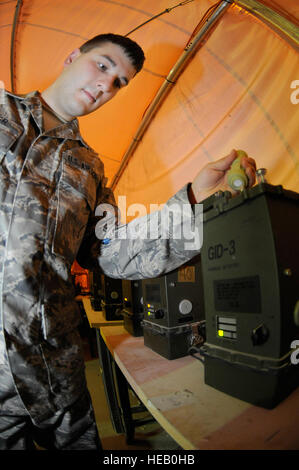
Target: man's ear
[{"x": 71, "y": 57}]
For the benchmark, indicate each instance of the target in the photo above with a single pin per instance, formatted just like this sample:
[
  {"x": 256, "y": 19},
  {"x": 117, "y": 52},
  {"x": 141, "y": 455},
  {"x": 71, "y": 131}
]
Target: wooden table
[{"x": 196, "y": 415}]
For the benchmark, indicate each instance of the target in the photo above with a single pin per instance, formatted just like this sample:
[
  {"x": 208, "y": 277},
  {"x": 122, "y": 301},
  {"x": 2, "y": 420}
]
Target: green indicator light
[
  {"x": 148, "y": 313},
  {"x": 220, "y": 332}
]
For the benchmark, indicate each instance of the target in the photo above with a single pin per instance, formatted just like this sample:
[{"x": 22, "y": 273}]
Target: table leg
[
  {"x": 123, "y": 393},
  {"x": 106, "y": 363}
]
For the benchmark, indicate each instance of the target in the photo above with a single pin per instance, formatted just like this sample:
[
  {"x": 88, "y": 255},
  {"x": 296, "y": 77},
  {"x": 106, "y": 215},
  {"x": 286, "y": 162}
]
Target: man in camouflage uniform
[{"x": 51, "y": 184}]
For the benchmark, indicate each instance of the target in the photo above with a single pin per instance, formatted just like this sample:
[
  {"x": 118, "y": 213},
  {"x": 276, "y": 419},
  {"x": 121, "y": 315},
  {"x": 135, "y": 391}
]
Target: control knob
[
  {"x": 158, "y": 314},
  {"x": 259, "y": 335}
]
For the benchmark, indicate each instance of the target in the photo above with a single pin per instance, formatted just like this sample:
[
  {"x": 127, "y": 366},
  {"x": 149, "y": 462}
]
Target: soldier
[{"x": 51, "y": 184}]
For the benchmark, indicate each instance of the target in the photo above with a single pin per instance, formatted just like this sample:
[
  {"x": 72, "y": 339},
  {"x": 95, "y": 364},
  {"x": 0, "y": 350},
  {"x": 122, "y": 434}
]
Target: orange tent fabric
[{"x": 240, "y": 90}]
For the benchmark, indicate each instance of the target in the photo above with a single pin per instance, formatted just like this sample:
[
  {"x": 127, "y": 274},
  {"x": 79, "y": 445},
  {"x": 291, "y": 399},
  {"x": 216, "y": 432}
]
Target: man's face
[{"x": 91, "y": 79}]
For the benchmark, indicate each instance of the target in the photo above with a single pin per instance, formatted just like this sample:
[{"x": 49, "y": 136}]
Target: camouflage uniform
[{"x": 51, "y": 183}]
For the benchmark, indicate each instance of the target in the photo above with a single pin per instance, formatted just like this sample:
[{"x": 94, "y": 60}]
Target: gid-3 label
[{"x": 217, "y": 251}]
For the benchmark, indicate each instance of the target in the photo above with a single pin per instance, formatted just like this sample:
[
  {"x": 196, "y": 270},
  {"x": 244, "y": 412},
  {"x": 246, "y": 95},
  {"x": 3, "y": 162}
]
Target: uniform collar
[{"x": 68, "y": 130}]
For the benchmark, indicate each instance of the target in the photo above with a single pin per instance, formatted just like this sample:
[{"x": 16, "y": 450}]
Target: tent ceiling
[{"x": 48, "y": 30}]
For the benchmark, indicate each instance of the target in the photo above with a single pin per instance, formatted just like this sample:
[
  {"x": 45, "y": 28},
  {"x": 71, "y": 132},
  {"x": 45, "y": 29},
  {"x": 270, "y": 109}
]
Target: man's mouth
[{"x": 90, "y": 96}]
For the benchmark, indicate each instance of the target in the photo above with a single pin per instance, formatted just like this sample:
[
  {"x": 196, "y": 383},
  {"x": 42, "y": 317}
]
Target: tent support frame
[
  {"x": 277, "y": 22},
  {"x": 12, "y": 44}
]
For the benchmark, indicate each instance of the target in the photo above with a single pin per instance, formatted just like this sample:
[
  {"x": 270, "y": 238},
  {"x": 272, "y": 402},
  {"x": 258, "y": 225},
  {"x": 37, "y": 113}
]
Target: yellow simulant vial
[{"x": 236, "y": 177}]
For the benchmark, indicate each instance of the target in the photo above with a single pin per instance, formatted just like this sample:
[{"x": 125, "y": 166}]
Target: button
[
  {"x": 159, "y": 314},
  {"x": 227, "y": 334},
  {"x": 259, "y": 335},
  {"x": 225, "y": 327},
  {"x": 185, "y": 307},
  {"x": 232, "y": 321}
]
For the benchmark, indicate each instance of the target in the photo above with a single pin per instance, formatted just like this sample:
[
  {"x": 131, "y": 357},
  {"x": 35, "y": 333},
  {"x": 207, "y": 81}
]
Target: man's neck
[
  {"x": 51, "y": 119},
  {"x": 50, "y": 97}
]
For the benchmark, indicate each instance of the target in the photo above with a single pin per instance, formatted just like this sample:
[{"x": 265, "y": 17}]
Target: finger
[
  {"x": 248, "y": 161},
  {"x": 250, "y": 170},
  {"x": 249, "y": 166},
  {"x": 252, "y": 162}
]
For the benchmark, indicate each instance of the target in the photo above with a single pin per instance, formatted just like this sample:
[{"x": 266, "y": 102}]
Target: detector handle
[{"x": 236, "y": 177}]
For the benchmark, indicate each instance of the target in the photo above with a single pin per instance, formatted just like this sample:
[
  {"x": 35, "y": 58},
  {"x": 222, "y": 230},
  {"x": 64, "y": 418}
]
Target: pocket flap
[
  {"x": 10, "y": 131},
  {"x": 80, "y": 177}
]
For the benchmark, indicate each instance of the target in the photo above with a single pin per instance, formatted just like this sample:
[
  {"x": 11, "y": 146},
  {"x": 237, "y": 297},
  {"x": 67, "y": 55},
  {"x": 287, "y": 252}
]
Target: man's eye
[{"x": 102, "y": 66}]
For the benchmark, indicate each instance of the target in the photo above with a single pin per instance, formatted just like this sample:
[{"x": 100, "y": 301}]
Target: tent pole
[
  {"x": 170, "y": 80},
  {"x": 277, "y": 22},
  {"x": 12, "y": 44}
]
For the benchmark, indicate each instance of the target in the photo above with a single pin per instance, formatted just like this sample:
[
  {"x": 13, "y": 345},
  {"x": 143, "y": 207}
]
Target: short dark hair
[{"x": 130, "y": 47}]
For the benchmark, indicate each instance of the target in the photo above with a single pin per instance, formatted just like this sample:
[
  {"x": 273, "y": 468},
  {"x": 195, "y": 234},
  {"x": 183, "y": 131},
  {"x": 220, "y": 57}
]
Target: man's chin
[{"x": 83, "y": 110}]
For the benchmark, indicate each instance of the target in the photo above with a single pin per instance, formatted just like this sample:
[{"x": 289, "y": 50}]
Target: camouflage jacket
[{"x": 51, "y": 184}]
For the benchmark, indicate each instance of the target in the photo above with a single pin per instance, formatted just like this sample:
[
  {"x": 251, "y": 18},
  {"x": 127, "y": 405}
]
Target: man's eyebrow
[
  {"x": 110, "y": 59},
  {"x": 114, "y": 65}
]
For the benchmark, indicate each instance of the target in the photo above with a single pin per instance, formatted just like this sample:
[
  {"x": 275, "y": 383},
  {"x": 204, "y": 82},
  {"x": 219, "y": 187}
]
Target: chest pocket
[
  {"x": 76, "y": 198},
  {"x": 9, "y": 133}
]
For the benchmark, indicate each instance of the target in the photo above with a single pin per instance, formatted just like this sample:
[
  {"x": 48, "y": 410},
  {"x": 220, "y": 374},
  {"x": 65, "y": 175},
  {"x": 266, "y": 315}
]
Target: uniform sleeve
[{"x": 148, "y": 246}]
